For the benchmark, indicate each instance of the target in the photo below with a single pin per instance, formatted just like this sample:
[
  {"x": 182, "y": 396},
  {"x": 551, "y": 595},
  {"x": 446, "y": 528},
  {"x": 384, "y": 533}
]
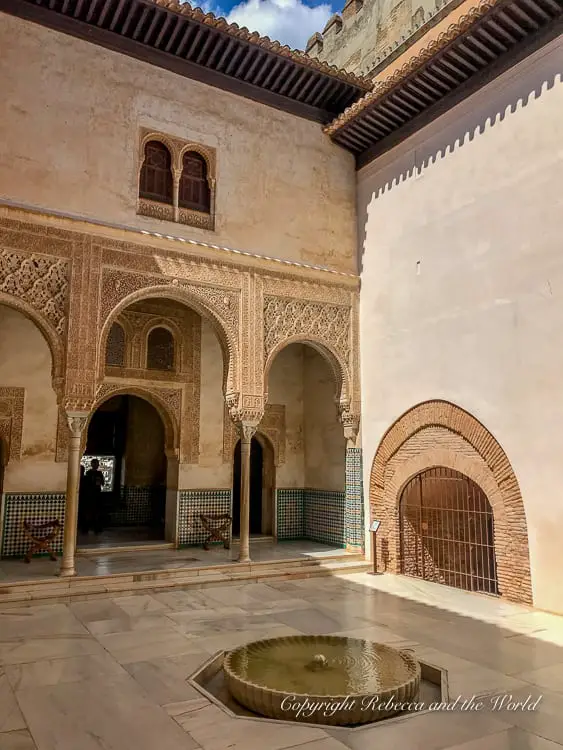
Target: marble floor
[
  {"x": 112, "y": 673},
  {"x": 107, "y": 563},
  {"x": 121, "y": 536}
]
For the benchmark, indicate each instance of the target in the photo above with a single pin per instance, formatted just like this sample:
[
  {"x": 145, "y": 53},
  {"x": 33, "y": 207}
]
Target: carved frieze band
[
  {"x": 11, "y": 420},
  {"x": 117, "y": 285},
  {"x": 272, "y": 426},
  {"x": 41, "y": 281}
]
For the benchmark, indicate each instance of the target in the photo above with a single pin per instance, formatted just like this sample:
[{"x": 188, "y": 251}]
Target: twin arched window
[
  {"x": 160, "y": 348},
  {"x": 156, "y": 181}
]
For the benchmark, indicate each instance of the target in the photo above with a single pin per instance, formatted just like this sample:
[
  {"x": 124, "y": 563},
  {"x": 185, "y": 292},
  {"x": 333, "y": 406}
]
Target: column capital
[
  {"x": 350, "y": 421},
  {"x": 247, "y": 430},
  {"x": 77, "y": 421},
  {"x": 248, "y": 410}
]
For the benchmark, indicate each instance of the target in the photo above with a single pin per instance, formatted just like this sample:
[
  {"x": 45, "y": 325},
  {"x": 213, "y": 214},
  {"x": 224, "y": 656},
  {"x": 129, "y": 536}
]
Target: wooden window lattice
[
  {"x": 156, "y": 174},
  {"x": 194, "y": 189},
  {"x": 160, "y": 350},
  {"x": 115, "y": 347}
]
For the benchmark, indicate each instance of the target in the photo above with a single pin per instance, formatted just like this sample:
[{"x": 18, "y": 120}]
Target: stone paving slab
[{"x": 112, "y": 673}]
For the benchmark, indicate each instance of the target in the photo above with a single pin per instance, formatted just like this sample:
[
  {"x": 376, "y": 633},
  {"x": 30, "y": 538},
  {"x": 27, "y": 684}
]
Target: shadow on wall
[{"x": 472, "y": 118}]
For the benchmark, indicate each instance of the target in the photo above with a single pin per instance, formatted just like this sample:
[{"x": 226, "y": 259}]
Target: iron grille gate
[{"x": 447, "y": 531}]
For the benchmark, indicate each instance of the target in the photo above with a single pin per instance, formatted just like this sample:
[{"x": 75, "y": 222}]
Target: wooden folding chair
[
  {"x": 218, "y": 526},
  {"x": 41, "y": 537}
]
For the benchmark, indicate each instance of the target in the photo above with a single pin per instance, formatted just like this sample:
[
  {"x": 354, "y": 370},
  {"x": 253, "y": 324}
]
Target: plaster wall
[
  {"x": 462, "y": 285},
  {"x": 325, "y": 446},
  {"x": 71, "y": 118},
  {"x": 286, "y": 386},
  {"x": 210, "y": 472},
  {"x": 25, "y": 362}
]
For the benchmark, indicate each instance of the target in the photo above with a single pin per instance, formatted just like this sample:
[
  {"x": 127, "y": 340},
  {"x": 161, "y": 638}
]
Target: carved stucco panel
[
  {"x": 11, "y": 420},
  {"x": 221, "y": 306},
  {"x": 40, "y": 281},
  {"x": 315, "y": 322}
]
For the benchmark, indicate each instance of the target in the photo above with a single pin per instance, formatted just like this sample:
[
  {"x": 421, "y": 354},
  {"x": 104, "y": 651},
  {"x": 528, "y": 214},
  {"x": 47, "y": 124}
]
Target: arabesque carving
[
  {"x": 220, "y": 306},
  {"x": 287, "y": 320},
  {"x": 11, "y": 420},
  {"x": 39, "y": 280}
]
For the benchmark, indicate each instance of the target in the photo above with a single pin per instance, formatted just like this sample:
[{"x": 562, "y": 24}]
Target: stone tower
[{"x": 369, "y": 33}]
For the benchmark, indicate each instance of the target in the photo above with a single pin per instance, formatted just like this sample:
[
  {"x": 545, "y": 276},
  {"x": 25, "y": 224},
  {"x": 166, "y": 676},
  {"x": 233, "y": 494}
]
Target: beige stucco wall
[
  {"x": 210, "y": 472},
  {"x": 69, "y": 138},
  {"x": 315, "y": 449},
  {"x": 285, "y": 386},
  {"x": 325, "y": 446},
  {"x": 25, "y": 362},
  {"x": 462, "y": 285}
]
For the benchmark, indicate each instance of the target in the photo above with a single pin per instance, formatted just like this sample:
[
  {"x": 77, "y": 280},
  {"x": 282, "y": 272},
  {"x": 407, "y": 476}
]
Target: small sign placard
[{"x": 374, "y": 525}]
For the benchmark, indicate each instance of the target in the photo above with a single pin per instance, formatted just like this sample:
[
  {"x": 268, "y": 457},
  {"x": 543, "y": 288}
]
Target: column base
[
  {"x": 242, "y": 558},
  {"x": 67, "y": 572}
]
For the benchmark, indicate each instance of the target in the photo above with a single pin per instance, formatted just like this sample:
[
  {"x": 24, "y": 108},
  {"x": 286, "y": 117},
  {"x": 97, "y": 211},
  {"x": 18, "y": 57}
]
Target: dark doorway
[
  {"x": 256, "y": 470},
  {"x": 447, "y": 531},
  {"x": 126, "y": 436}
]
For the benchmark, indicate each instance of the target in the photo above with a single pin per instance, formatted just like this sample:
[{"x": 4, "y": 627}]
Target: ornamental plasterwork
[
  {"x": 137, "y": 321},
  {"x": 11, "y": 420},
  {"x": 312, "y": 291},
  {"x": 117, "y": 285},
  {"x": 272, "y": 426},
  {"x": 316, "y": 322},
  {"x": 221, "y": 306},
  {"x": 39, "y": 280},
  {"x": 177, "y": 148},
  {"x": 256, "y": 308}
]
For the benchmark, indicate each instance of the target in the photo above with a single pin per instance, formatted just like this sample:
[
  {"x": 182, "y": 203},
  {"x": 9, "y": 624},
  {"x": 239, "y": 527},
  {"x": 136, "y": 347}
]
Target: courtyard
[{"x": 112, "y": 672}]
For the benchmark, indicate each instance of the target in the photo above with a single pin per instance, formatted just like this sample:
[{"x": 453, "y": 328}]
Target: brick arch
[{"x": 439, "y": 433}]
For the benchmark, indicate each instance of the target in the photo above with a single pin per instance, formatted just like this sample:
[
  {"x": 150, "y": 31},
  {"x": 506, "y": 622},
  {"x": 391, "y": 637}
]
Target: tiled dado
[
  {"x": 37, "y": 507},
  {"x": 318, "y": 515},
  {"x": 354, "y": 509},
  {"x": 138, "y": 506},
  {"x": 191, "y": 504},
  {"x": 290, "y": 516}
]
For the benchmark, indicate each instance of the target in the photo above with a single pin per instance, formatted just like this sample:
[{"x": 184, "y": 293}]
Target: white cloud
[{"x": 290, "y": 22}]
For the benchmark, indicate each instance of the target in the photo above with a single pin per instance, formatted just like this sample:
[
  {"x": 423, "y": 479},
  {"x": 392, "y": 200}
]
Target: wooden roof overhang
[
  {"x": 484, "y": 44},
  {"x": 200, "y": 46}
]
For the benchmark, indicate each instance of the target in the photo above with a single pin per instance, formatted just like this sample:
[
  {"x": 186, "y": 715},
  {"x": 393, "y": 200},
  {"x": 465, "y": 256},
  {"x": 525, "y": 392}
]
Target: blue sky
[{"x": 289, "y": 21}]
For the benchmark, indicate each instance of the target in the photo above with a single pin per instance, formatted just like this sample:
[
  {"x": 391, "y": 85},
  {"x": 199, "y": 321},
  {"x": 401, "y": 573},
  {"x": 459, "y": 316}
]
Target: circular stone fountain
[{"x": 322, "y": 679}]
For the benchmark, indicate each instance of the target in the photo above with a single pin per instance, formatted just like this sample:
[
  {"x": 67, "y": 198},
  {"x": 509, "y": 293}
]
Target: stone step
[{"x": 83, "y": 587}]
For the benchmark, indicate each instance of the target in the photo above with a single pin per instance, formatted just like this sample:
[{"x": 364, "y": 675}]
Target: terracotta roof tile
[
  {"x": 234, "y": 30},
  {"x": 451, "y": 27}
]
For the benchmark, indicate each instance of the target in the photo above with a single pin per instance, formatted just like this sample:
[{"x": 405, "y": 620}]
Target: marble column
[
  {"x": 247, "y": 430},
  {"x": 76, "y": 423}
]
